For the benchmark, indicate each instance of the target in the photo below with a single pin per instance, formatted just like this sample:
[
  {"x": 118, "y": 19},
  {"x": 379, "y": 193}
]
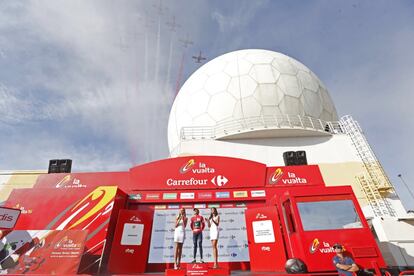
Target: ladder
[
  {"x": 375, "y": 183},
  {"x": 379, "y": 205}
]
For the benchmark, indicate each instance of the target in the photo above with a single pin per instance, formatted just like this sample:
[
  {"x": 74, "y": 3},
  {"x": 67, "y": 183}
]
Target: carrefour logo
[
  {"x": 187, "y": 166},
  {"x": 219, "y": 180},
  {"x": 275, "y": 177}
]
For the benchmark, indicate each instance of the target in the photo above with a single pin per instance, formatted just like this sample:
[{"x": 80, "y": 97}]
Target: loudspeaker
[
  {"x": 65, "y": 166},
  {"x": 301, "y": 158},
  {"x": 53, "y": 166},
  {"x": 290, "y": 158},
  {"x": 60, "y": 166}
]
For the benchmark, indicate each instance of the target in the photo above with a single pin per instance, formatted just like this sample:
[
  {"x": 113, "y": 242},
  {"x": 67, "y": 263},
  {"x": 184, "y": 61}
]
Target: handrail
[
  {"x": 98, "y": 260},
  {"x": 283, "y": 121}
]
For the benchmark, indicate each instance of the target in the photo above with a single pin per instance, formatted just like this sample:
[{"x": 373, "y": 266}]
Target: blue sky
[{"x": 77, "y": 79}]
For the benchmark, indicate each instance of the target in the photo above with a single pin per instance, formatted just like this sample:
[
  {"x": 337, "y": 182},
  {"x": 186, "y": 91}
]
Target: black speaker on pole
[
  {"x": 60, "y": 166},
  {"x": 301, "y": 158},
  {"x": 53, "y": 166},
  {"x": 290, "y": 158}
]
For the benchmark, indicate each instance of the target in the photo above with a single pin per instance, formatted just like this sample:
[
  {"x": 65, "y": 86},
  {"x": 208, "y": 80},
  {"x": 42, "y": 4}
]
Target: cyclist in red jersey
[{"x": 197, "y": 225}]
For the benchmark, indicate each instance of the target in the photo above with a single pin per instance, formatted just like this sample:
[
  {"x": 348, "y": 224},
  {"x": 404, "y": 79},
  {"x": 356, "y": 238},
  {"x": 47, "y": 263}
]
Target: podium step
[
  {"x": 198, "y": 269},
  {"x": 219, "y": 271},
  {"x": 175, "y": 272}
]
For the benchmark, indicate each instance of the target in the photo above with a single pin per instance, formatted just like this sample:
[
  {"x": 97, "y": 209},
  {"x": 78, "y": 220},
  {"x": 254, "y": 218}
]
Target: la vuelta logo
[
  {"x": 63, "y": 181},
  {"x": 261, "y": 216},
  {"x": 288, "y": 178},
  {"x": 66, "y": 243},
  {"x": 314, "y": 246},
  {"x": 324, "y": 247},
  {"x": 276, "y": 176},
  {"x": 201, "y": 168},
  {"x": 187, "y": 166},
  {"x": 67, "y": 183}
]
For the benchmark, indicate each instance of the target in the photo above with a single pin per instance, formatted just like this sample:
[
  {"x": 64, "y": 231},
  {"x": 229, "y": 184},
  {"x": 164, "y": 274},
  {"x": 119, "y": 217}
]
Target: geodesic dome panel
[{"x": 245, "y": 84}]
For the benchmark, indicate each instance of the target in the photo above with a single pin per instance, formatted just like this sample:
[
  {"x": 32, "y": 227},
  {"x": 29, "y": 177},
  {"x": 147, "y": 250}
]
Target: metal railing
[
  {"x": 230, "y": 127},
  {"x": 98, "y": 260}
]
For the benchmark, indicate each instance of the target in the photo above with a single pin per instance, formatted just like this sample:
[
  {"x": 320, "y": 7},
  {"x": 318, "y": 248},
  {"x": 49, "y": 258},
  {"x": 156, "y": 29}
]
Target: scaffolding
[{"x": 374, "y": 182}]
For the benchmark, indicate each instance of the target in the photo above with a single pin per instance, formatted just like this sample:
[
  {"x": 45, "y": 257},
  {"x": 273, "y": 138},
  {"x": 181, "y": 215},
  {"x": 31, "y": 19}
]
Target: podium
[{"x": 197, "y": 269}]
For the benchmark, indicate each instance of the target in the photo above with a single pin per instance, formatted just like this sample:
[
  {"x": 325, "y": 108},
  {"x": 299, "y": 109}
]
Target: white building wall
[
  {"x": 319, "y": 149},
  {"x": 396, "y": 239}
]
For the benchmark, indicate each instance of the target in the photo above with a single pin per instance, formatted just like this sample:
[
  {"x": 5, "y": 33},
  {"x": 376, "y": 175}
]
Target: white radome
[{"x": 248, "y": 83}]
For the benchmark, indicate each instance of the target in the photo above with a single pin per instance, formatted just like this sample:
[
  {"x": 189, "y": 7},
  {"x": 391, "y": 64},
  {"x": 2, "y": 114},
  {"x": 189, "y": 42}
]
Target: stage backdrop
[{"x": 232, "y": 244}]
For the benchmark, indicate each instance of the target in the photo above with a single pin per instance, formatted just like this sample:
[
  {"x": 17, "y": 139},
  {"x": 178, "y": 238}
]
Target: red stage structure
[{"x": 269, "y": 215}]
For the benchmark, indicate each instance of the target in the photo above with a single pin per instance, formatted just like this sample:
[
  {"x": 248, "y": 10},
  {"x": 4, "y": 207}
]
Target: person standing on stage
[
  {"x": 179, "y": 236},
  {"x": 213, "y": 223},
  {"x": 197, "y": 225}
]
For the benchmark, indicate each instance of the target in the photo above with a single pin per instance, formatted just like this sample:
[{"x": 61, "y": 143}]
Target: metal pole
[{"x": 406, "y": 186}]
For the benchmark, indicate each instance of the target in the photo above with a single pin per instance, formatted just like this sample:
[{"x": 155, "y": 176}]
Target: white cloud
[
  {"x": 238, "y": 17},
  {"x": 82, "y": 65}
]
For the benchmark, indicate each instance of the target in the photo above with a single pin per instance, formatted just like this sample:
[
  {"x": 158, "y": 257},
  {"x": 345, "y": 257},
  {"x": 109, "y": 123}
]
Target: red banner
[
  {"x": 294, "y": 175},
  {"x": 198, "y": 172},
  {"x": 82, "y": 180}
]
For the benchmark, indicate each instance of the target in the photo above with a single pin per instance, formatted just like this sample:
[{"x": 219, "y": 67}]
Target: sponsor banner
[
  {"x": 173, "y": 206},
  {"x": 188, "y": 206},
  {"x": 198, "y": 172},
  {"x": 260, "y": 193},
  {"x": 222, "y": 194},
  {"x": 152, "y": 196},
  {"x": 135, "y": 196},
  {"x": 8, "y": 217},
  {"x": 237, "y": 194},
  {"x": 199, "y": 206},
  {"x": 42, "y": 251},
  {"x": 227, "y": 205},
  {"x": 204, "y": 195},
  {"x": 187, "y": 196},
  {"x": 232, "y": 243},
  {"x": 294, "y": 175},
  {"x": 214, "y": 205},
  {"x": 160, "y": 206},
  {"x": 169, "y": 196}
]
